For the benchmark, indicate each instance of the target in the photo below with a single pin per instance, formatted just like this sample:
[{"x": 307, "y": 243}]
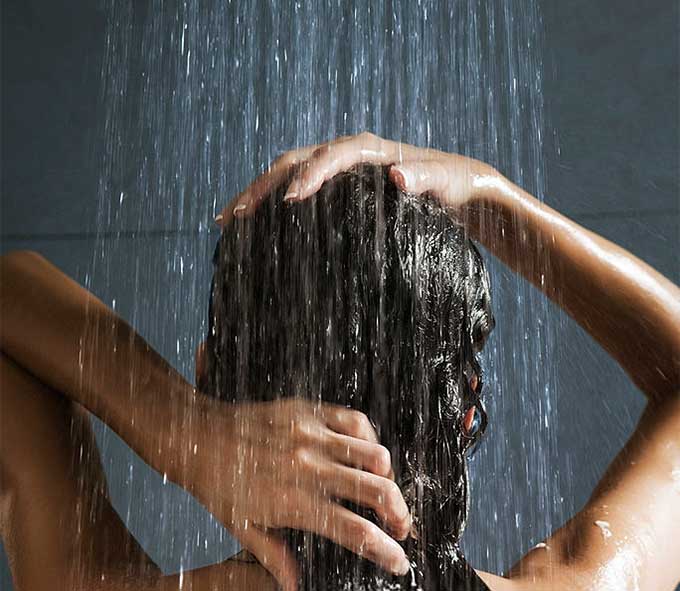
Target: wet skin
[{"x": 630, "y": 309}]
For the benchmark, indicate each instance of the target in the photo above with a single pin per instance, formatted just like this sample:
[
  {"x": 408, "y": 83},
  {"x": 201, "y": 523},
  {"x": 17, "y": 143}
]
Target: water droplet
[
  {"x": 604, "y": 528},
  {"x": 675, "y": 475}
]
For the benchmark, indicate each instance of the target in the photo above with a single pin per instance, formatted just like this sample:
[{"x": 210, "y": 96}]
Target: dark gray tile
[
  {"x": 5, "y": 573},
  {"x": 51, "y": 72},
  {"x": 611, "y": 98},
  {"x": 611, "y": 105}
]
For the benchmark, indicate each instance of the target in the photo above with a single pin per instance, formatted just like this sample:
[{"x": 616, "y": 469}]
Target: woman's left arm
[
  {"x": 73, "y": 343},
  {"x": 240, "y": 460}
]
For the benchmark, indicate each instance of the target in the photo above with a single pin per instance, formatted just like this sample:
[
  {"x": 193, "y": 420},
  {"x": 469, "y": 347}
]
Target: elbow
[
  {"x": 20, "y": 258},
  {"x": 17, "y": 262},
  {"x": 18, "y": 268}
]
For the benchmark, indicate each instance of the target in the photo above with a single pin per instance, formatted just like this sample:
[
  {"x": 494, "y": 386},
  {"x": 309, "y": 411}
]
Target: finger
[
  {"x": 246, "y": 202},
  {"x": 329, "y": 159},
  {"x": 368, "y": 490},
  {"x": 350, "y": 422},
  {"x": 421, "y": 176},
  {"x": 359, "y": 453},
  {"x": 347, "y": 529},
  {"x": 272, "y": 553}
]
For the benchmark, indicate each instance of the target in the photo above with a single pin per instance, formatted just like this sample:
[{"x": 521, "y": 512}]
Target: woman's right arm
[
  {"x": 620, "y": 539},
  {"x": 624, "y": 304}
]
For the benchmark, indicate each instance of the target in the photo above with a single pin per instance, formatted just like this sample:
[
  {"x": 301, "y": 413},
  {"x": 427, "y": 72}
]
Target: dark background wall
[{"x": 611, "y": 99}]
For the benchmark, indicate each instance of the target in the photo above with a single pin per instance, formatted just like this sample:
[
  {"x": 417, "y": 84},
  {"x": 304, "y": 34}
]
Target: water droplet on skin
[
  {"x": 675, "y": 476},
  {"x": 604, "y": 528}
]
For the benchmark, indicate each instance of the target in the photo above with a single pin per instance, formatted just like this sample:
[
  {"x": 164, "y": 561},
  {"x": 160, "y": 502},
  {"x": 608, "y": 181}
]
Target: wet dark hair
[{"x": 371, "y": 298}]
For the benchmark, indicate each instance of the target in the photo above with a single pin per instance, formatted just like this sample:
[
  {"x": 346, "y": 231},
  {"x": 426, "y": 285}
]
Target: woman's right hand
[{"x": 263, "y": 466}]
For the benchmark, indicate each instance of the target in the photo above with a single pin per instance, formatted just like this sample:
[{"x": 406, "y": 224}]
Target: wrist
[
  {"x": 489, "y": 189},
  {"x": 497, "y": 207},
  {"x": 196, "y": 435},
  {"x": 179, "y": 431},
  {"x": 158, "y": 419}
]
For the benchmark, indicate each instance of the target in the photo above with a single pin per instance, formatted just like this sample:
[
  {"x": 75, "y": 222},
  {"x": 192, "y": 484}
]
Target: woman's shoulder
[
  {"x": 551, "y": 579},
  {"x": 498, "y": 583}
]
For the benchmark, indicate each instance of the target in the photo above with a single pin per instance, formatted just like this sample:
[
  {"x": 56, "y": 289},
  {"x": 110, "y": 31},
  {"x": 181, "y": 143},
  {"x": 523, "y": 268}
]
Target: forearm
[
  {"x": 625, "y": 305},
  {"x": 230, "y": 574},
  {"x": 76, "y": 345}
]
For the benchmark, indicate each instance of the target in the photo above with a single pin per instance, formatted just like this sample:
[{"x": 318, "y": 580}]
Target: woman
[{"x": 631, "y": 310}]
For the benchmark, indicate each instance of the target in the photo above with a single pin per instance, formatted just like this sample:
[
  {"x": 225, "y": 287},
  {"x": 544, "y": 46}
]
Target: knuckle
[
  {"x": 300, "y": 456},
  {"x": 357, "y": 529},
  {"x": 300, "y": 430},
  {"x": 297, "y": 404},
  {"x": 280, "y": 160},
  {"x": 280, "y": 407},
  {"x": 438, "y": 167}
]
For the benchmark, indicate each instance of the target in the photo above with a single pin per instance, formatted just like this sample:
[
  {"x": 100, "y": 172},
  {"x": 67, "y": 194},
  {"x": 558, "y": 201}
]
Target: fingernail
[
  {"x": 402, "y": 177},
  {"x": 218, "y": 218},
  {"x": 239, "y": 210},
  {"x": 403, "y": 566},
  {"x": 290, "y": 196}
]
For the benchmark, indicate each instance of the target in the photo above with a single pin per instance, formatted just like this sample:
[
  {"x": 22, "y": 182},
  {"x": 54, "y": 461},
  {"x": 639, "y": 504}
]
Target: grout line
[
  {"x": 111, "y": 235},
  {"x": 132, "y": 234}
]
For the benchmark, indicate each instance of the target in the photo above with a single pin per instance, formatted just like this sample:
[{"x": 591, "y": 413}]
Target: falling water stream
[{"x": 200, "y": 97}]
